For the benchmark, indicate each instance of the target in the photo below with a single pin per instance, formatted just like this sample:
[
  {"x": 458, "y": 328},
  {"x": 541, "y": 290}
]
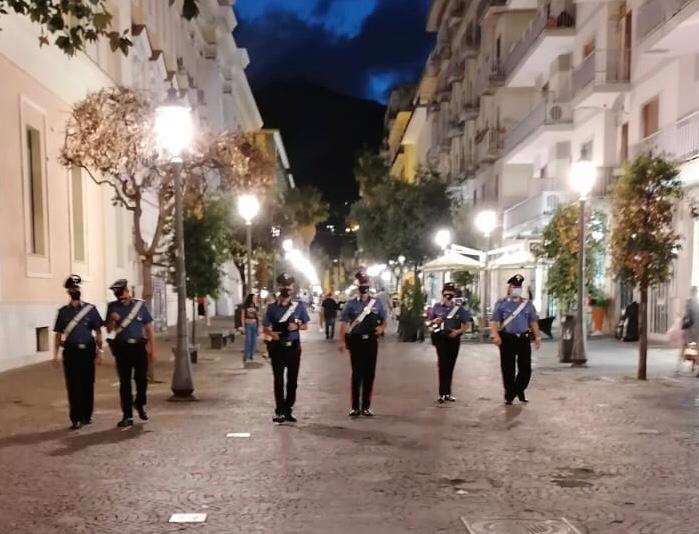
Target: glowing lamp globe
[
  {"x": 248, "y": 207},
  {"x": 174, "y": 129},
  {"x": 582, "y": 177},
  {"x": 486, "y": 221}
]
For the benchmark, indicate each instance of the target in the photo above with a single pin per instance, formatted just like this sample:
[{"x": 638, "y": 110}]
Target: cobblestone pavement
[{"x": 609, "y": 454}]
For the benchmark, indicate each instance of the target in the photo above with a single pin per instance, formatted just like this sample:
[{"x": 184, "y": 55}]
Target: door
[
  {"x": 659, "y": 309},
  {"x": 626, "y": 47}
]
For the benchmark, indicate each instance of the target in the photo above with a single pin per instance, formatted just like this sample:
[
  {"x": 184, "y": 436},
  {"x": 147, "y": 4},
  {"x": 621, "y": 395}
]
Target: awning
[
  {"x": 452, "y": 261},
  {"x": 517, "y": 259}
]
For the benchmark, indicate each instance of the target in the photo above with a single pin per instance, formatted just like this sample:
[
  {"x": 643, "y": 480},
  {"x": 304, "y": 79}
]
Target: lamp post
[
  {"x": 582, "y": 177},
  {"x": 248, "y": 207},
  {"x": 486, "y": 221},
  {"x": 174, "y": 131},
  {"x": 443, "y": 239}
]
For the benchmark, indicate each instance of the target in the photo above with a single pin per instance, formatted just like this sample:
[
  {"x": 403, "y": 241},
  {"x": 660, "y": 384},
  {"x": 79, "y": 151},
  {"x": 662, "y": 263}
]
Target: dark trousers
[
  {"x": 515, "y": 354},
  {"x": 131, "y": 362},
  {"x": 330, "y": 328},
  {"x": 285, "y": 358},
  {"x": 363, "y": 354},
  {"x": 447, "y": 352},
  {"x": 79, "y": 371}
]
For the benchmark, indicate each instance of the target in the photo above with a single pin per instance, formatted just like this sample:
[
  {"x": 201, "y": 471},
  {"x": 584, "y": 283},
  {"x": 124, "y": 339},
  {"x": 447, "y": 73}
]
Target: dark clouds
[{"x": 390, "y": 47}]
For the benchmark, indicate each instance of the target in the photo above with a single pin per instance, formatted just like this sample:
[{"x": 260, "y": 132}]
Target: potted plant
[
  {"x": 598, "y": 301},
  {"x": 412, "y": 320}
]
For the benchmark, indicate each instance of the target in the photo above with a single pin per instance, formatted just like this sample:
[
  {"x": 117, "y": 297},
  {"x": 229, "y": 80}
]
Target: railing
[
  {"x": 562, "y": 20},
  {"x": 654, "y": 13},
  {"x": 484, "y": 5},
  {"x": 488, "y": 75},
  {"x": 549, "y": 111},
  {"x": 469, "y": 110},
  {"x": 456, "y": 70},
  {"x": 605, "y": 182},
  {"x": 602, "y": 67},
  {"x": 535, "y": 208},
  {"x": 490, "y": 146},
  {"x": 679, "y": 141}
]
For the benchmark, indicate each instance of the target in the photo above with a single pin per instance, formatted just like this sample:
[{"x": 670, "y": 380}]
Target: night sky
[{"x": 356, "y": 47}]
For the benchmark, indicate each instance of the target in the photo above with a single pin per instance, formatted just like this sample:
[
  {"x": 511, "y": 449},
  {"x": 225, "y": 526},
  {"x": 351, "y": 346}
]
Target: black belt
[
  {"x": 286, "y": 342},
  {"x": 518, "y": 335},
  {"x": 80, "y": 346},
  {"x": 361, "y": 336},
  {"x": 128, "y": 341}
]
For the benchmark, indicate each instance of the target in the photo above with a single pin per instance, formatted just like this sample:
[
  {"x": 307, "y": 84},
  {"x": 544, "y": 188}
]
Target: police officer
[
  {"x": 513, "y": 325},
  {"x": 363, "y": 319},
  {"x": 448, "y": 320},
  {"x": 75, "y": 323},
  {"x": 282, "y": 321},
  {"x": 131, "y": 325}
]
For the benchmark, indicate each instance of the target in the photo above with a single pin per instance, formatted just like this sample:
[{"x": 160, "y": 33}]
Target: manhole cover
[{"x": 519, "y": 526}]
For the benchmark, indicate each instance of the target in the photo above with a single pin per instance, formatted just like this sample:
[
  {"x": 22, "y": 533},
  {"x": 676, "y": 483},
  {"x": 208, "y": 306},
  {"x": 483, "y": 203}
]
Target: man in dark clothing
[{"x": 330, "y": 308}]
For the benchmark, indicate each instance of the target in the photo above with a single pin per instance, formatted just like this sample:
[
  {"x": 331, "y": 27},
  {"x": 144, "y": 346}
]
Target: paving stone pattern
[{"x": 609, "y": 454}]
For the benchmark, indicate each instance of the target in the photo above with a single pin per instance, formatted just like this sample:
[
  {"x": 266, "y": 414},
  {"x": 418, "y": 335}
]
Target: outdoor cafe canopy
[{"x": 452, "y": 261}]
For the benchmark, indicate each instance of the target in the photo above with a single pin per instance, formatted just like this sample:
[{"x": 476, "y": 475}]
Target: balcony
[
  {"x": 456, "y": 129},
  {"x": 456, "y": 71},
  {"x": 606, "y": 182},
  {"x": 489, "y": 145},
  {"x": 548, "y": 36},
  {"x": 530, "y": 216},
  {"x": 548, "y": 123},
  {"x": 601, "y": 78},
  {"x": 669, "y": 25},
  {"x": 679, "y": 141},
  {"x": 469, "y": 110},
  {"x": 485, "y": 5},
  {"x": 491, "y": 75}
]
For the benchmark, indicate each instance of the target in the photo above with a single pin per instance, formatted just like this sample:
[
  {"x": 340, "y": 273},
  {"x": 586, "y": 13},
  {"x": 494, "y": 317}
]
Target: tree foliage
[
  {"x": 300, "y": 210},
  {"x": 74, "y": 23},
  {"x": 560, "y": 246}
]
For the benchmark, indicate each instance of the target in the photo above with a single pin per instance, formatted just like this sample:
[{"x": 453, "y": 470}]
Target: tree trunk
[
  {"x": 194, "y": 320},
  {"x": 643, "y": 335},
  {"x": 147, "y": 276}
]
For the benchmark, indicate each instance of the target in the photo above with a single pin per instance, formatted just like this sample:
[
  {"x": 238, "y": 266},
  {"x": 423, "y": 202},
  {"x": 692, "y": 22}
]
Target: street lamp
[
  {"x": 174, "y": 131},
  {"x": 443, "y": 239},
  {"x": 248, "y": 208},
  {"x": 486, "y": 221},
  {"x": 582, "y": 178}
]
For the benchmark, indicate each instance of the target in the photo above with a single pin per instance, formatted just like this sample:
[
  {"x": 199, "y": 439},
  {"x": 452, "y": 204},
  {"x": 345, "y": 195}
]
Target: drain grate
[{"x": 519, "y": 526}]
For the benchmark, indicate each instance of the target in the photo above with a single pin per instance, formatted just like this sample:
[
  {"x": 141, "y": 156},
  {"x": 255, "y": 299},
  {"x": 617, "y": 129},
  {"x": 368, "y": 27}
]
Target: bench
[{"x": 221, "y": 338}]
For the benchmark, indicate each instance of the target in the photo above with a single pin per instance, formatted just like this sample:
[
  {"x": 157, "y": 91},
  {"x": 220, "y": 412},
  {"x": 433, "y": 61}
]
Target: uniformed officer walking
[
  {"x": 75, "y": 324},
  {"x": 362, "y": 321},
  {"x": 448, "y": 321},
  {"x": 514, "y": 323},
  {"x": 282, "y": 321},
  {"x": 131, "y": 325}
]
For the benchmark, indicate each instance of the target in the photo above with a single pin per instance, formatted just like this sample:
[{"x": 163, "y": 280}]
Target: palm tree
[{"x": 303, "y": 208}]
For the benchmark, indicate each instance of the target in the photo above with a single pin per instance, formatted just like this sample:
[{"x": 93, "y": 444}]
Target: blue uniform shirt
[
  {"x": 506, "y": 307},
  {"x": 443, "y": 310},
  {"x": 354, "y": 309},
  {"x": 82, "y": 333},
  {"x": 135, "y": 328},
  {"x": 276, "y": 310}
]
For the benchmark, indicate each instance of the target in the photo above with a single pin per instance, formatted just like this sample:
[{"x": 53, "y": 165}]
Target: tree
[
  {"x": 644, "y": 239},
  {"x": 76, "y": 22},
  {"x": 110, "y": 136},
  {"x": 300, "y": 210},
  {"x": 370, "y": 170}
]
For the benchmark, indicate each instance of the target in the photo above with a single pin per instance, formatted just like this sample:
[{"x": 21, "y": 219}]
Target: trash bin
[{"x": 567, "y": 338}]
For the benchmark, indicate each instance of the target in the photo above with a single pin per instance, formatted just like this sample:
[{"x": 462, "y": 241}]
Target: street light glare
[
  {"x": 173, "y": 128},
  {"x": 486, "y": 221},
  {"x": 582, "y": 177},
  {"x": 443, "y": 238},
  {"x": 248, "y": 207},
  {"x": 375, "y": 270},
  {"x": 287, "y": 245}
]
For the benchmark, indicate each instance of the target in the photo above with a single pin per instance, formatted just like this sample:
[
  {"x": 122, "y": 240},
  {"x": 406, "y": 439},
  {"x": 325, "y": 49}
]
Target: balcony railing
[
  {"x": 489, "y": 75},
  {"x": 679, "y": 141},
  {"x": 456, "y": 70},
  {"x": 490, "y": 146},
  {"x": 549, "y": 111},
  {"x": 484, "y": 5},
  {"x": 537, "y": 208},
  {"x": 602, "y": 67},
  {"x": 605, "y": 182},
  {"x": 469, "y": 110},
  {"x": 654, "y": 13},
  {"x": 563, "y": 19}
]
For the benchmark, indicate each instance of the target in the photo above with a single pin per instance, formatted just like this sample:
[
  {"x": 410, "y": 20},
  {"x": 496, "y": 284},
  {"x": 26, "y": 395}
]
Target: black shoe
[
  {"x": 366, "y": 412},
  {"x": 278, "y": 419},
  {"x": 450, "y": 398},
  {"x": 76, "y": 426},
  {"x": 355, "y": 413},
  {"x": 508, "y": 402},
  {"x": 442, "y": 399},
  {"x": 125, "y": 423},
  {"x": 290, "y": 418},
  {"x": 87, "y": 422},
  {"x": 142, "y": 414},
  {"x": 522, "y": 397}
]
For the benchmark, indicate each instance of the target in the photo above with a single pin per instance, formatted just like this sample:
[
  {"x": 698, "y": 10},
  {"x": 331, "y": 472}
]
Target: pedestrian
[
  {"x": 363, "y": 320},
  {"x": 131, "y": 325},
  {"x": 251, "y": 322},
  {"x": 448, "y": 321},
  {"x": 514, "y": 323},
  {"x": 385, "y": 300},
  {"x": 282, "y": 321},
  {"x": 75, "y": 324},
  {"x": 330, "y": 307}
]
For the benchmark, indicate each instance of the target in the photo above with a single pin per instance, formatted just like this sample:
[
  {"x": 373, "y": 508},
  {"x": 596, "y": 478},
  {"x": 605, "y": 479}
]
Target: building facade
[{"x": 61, "y": 222}]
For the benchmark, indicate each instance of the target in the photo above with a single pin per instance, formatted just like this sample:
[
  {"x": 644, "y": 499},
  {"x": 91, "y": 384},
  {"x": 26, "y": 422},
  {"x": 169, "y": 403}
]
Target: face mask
[
  {"x": 284, "y": 292},
  {"x": 449, "y": 297},
  {"x": 364, "y": 290},
  {"x": 516, "y": 292},
  {"x": 74, "y": 294}
]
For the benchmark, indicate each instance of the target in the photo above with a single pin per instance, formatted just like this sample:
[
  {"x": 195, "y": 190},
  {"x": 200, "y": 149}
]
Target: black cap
[
  {"x": 449, "y": 286},
  {"x": 362, "y": 279},
  {"x": 73, "y": 282},
  {"x": 516, "y": 280},
  {"x": 122, "y": 283},
  {"x": 285, "y": 279}
]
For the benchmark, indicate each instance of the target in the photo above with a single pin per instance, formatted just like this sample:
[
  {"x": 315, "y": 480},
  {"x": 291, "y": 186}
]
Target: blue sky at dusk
[{"x": 356, "y": 47}]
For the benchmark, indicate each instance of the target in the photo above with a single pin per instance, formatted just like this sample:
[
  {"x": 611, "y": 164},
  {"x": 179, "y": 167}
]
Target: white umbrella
[
  {"x": 452, "y": 261},
  {"x": 517, "y": 259}
]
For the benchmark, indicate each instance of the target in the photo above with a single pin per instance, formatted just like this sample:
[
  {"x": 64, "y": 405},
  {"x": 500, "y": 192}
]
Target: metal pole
[
  {"x": 248, "y": 281},
  {"x": 486, "y": 291},
  {"x": 182, "y": 386},
  {"x": 579, "y": 357}
]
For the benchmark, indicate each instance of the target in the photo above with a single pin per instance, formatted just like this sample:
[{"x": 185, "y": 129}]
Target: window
[
  {"x": 475, "y": 197},
  {"x": 483, "y": 192},
  {"x": 650, "y": 117},
  {"x": 586, "y": 150},
  {"x": 78, "y": 223},
  {"x": 497, "y": 187},
  {"x": 42, "y": 339},
  {"x": 624, "y": 153},
  {"x": 36, "y": 193}
]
